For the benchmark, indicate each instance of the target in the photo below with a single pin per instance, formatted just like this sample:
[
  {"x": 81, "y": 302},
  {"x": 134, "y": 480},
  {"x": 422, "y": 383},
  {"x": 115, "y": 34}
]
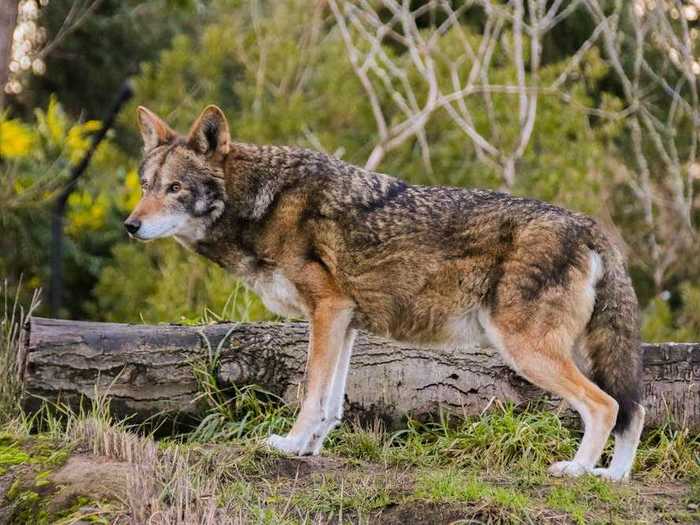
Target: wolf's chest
[{"x": 278, "y": 294}]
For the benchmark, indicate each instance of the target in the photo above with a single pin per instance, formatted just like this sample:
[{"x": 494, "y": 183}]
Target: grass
[
  {"x": 12, "y": 320},
  {"x": 237, "y": 411},
  {"x": 487, "y": 469},
  {"x": 366, "y": 472},
  {"x": 360, "y": 494}
]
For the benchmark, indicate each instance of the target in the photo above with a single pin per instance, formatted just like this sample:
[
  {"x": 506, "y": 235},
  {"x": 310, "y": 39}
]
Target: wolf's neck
[
  {"x": 229, "y": 242},
  {"x": 255, "y": 178},
  {"x": 256, "y": 175}
]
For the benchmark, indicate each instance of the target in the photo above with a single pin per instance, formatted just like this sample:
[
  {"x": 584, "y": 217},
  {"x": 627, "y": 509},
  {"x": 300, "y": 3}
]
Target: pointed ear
[
  {"x": 209, "y": 134},
  {"x": 154, "y": 131}
]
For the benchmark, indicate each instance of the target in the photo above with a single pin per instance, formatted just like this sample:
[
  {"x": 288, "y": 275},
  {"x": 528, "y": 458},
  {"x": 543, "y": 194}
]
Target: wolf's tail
[{"x": 612, "y": 338}]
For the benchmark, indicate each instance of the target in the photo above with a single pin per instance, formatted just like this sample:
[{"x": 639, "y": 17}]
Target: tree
[
  {"x": 434, "y": 92},
  {"x": 8, "y": 20},
  {"x": 397, "y": 51},
  {"x": 149, "y": 371},
  {"x": 93, "y": 46}
]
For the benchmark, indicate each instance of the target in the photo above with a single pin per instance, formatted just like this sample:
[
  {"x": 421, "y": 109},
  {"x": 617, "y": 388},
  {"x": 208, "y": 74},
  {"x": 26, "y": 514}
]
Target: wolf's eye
[{"x": 174, "y": 187}]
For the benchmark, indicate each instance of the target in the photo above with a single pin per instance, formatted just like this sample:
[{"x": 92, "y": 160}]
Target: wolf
[{"x": 350, "y": 249}]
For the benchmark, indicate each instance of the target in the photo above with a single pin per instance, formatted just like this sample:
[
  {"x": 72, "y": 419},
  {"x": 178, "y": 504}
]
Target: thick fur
[{"x": 351, "y": 249}]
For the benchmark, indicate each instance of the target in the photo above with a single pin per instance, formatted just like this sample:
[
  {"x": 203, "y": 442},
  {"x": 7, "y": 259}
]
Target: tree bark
[
  {"x": 8, "y": 21},
  {"x": 148, "y": 370}
]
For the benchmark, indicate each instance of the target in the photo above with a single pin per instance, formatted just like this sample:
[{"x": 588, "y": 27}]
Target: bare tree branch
[{"x": 411, "y": 72}]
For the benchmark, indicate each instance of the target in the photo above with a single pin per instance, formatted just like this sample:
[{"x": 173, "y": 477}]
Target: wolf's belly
[
  {"x": 278, "y": 294},
  {"x": 426, "y": 331},
  {"x": 461, "y": 330}
]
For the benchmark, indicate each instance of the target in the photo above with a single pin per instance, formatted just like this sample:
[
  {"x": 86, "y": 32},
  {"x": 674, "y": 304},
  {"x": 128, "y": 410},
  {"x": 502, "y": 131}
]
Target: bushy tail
[{"x": 612, "y": 337}]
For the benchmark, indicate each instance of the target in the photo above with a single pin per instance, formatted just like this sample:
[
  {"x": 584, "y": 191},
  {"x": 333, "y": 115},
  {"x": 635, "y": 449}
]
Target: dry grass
[
  {"x": 489, "y": 469},
  {"x": 163, "y": 486},
  {"x": 12, "y": 320}
]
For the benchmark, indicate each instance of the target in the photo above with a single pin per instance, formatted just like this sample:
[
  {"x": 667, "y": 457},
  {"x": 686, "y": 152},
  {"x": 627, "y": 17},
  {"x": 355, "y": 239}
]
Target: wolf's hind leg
[
  {"x": 626, "y": 443},
  {"x": 327, "y": 355},
  {"x": 544, "y": 359}
]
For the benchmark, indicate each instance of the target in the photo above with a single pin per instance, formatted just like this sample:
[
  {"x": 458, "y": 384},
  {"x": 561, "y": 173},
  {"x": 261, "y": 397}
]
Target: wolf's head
[{"x": 182, "y": 178}]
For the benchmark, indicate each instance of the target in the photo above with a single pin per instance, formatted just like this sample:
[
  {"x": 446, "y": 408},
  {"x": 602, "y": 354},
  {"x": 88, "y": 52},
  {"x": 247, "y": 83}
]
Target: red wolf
[{"x": 351, "y": 249}]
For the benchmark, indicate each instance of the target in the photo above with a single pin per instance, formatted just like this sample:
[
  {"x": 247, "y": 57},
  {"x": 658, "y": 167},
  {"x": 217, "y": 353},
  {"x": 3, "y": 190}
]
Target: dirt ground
[
  {"x": 43, "y": 481},
  {"x": 89, "y": 488}
]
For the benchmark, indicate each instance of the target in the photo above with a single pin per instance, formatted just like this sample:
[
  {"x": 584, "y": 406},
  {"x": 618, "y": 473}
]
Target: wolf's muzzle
[{"x": 132, "y": 225}]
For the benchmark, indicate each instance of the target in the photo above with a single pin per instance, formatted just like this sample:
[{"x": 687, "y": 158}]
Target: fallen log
[{"x": 147, "y": 370}]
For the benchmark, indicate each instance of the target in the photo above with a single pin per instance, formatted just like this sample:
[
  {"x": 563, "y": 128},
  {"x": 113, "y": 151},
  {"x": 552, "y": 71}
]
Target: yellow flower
[
  {"x": 78, "y": 139},
  {"x": 133, "y": 190},
  {"x": 55, "y": 121},
  {"x": 85, "y": 212},
  {"x": 16, "y": 139}
]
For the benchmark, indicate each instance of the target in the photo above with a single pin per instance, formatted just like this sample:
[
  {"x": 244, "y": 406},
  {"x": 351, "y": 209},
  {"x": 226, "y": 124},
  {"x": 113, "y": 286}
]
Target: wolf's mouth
[{"x": 167, "y": 231}]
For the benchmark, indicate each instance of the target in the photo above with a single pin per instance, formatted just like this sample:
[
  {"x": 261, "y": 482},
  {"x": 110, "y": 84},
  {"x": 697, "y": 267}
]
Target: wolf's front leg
[{"x": 330, "y": 347}]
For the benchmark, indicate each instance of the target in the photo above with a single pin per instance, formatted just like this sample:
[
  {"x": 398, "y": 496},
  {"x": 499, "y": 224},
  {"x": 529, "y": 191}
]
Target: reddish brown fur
[{"x": 350, "y": 249}]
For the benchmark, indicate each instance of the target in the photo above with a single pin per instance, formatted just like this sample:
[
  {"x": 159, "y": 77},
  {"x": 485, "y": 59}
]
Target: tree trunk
[
  {"x": 8, "y": 21},
  {"x": 147, "y": 370}
]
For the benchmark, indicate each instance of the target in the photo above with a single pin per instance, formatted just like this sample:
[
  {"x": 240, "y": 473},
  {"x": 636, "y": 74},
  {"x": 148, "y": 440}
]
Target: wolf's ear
[
  {"x": 154, "y": 131},
  {"x": 209, "y": 134}
]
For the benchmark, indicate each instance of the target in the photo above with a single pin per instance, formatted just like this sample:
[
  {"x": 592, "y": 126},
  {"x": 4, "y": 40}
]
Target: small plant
[
  {"x": 498, "y": 504},
  {"x": 13, "y": 319},
  {"x": 504, "y": 438},
  {"x": 450, "y": 485},
  {"x": 669, "y": 451},
  {"x": 234, "y": 412},
  {"x": 359, "y": 442}
]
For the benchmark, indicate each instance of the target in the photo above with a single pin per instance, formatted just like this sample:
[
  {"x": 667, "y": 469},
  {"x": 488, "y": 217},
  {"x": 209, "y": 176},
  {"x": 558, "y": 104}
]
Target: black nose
[{"x": 132, "y": 225}]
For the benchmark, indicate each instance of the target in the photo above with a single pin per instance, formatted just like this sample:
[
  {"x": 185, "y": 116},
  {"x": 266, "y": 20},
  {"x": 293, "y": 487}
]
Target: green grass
[
  {"x": 330, "y": 495},
  {"x": 470, "y": 466},
  {"x": 579, "y": 497},
  {"x": 450, "y": 485},
  {"x": 491, "y": 468},
  {"x": 11, "y": 454},
  {"x": 669, "y": 452},
  {"x": 506, "y": 437},
  {"x": 12, "y": 319},
  {"x": 453, "y": 486}
]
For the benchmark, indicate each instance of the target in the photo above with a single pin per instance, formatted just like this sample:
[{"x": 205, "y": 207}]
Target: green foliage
[
  {"x": 582, "y": 496},
  {"x": 29, "y": 182},
  {"x": 88, "y": 67},
  {"x": 361, "y": 495},
  {"x": 234, "y": 412},
  {"x": 345, "y": 483},
  {"x": 37, "y": 154},
  {"x": 670, "y": 451},
  {"x": 161, "y": 282},
  {"x": 502, "y": 438},
  {"x": 280, "y": 71},
  {"x": 12, "y": 319},
  {"x": 27, "y": 463},
  {"x": 10, "y": 454},
  {"x": 682, "y": 324},
  {"x": 450, "y": 486}
]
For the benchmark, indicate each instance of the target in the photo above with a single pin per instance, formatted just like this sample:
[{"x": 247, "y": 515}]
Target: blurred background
[{"x": 589, "y": 104}]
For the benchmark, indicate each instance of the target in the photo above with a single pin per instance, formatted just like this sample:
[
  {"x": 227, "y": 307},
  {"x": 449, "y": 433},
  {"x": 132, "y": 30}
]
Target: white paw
[
  {"x": 313, "y": 442},
  {"x": 312, "y": 447},
  {"x": 610, "y": 474},
  {"x": 288, "y": 445},
  {"x": 316, "y": 438},
  {"x": 298, "y": 445},
  {"x": 568, "y": 468}
]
